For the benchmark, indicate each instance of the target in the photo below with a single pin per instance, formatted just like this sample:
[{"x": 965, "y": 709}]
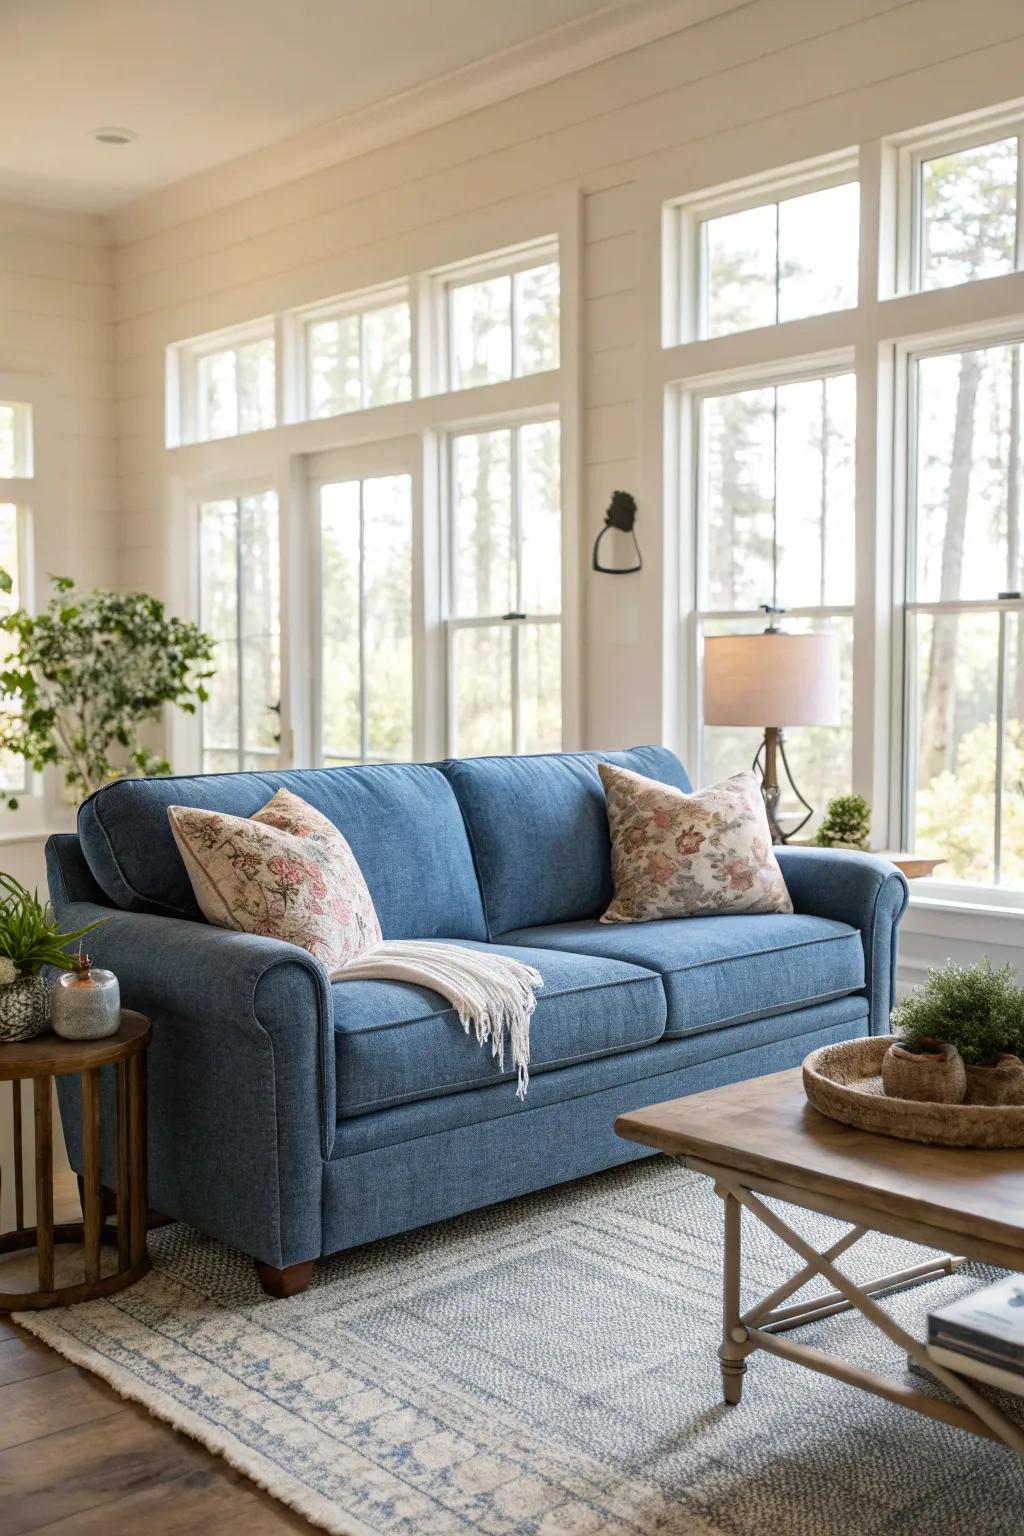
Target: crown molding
[{"x": 564, "y": 50}]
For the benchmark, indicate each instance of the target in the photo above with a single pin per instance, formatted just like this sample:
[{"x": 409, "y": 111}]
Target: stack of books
[{"x": 982, "y": 1335}]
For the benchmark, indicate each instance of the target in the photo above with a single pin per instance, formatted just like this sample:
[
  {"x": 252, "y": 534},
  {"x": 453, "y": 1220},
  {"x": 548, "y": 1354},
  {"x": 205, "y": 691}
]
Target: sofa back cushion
[
  {"x": 402, "y": 822},
  {"x": 539, "y": 830}
]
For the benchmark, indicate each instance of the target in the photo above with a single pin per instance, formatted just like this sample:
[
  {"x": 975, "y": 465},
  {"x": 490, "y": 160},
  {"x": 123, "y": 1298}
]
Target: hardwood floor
[{"x": 77, "y": 1460}]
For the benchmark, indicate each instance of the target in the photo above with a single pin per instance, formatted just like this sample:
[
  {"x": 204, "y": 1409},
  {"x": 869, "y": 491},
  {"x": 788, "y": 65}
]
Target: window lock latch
[
  {"x": 513, "y": 616},
  {"x": 1008, "y": 597}
]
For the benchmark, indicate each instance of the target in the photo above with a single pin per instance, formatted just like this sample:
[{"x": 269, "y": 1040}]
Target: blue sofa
[{"x": 293, "y": 1118}]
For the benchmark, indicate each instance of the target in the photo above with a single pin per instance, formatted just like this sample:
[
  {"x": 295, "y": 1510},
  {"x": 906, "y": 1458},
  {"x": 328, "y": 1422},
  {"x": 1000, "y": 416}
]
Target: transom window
[
  {"x": 240, "y": 606},
  {"x": 966, "y": 212},
  {"x": 502, "y": 319},
  {"x": 775, "y": 529},
  {"x": 227, "y": 384},
  {"x": 15, "y": 440},
  {"x": 358, "y": 354},
  {"x": 504, "y": 630},
  {"x": 778, "y": 261}
]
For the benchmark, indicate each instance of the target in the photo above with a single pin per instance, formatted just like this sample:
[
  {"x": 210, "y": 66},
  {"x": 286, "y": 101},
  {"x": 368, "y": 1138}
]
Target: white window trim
[
  {"x": 909, "y": 152},
  {"x": 181, "y": 425},
  {"x": 297, "y": 323},
  {"x": 42, "y": 805},
  {"x": 884, "y": 328},
  {"x": 279, "y": 458},
  {"x": 443, "y": 282},
  {"x": 515, "y": 620},
  {"x": 683, "y": 220}
]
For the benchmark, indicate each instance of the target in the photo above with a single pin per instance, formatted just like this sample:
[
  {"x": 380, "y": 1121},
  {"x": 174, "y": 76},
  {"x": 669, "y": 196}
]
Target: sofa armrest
[
  {"x": 867, "y": 893},
  {"x": 241, "y": 1072}
]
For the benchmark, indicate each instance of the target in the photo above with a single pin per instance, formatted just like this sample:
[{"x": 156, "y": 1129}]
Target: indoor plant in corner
[
  {"x": 87, "y": 673},
  {"x": 30, "y": 937},
  {"x": 975, "y": 1010}
]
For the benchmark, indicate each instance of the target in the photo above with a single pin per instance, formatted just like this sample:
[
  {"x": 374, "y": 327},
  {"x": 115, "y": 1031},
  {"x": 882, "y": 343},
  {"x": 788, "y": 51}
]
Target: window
[
  {"x": 505, "y": 545},
  {"x": 358, "y": 355},
  {"x": 366, "y": 620},
  {"x": 15, "y": 440},
  {"x": 502, "y": 320},
  {"x": 779, "y": 261},
  {"x": 227, "y": 384},
  {"x": 775, "y": 528},
  {"x": 239, "y": 605},
  {"x": 16, "y": 473},
  {"x": 966, "y": 212},
  {"x": 965, "y": 616}
]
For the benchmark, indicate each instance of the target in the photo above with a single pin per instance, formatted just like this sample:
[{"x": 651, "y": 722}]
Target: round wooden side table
[{"x": 41, "y": 1060}]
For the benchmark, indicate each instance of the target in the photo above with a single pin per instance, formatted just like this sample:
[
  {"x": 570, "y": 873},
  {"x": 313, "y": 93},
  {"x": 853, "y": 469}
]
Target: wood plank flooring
[{"x": 77, "y": 1460}]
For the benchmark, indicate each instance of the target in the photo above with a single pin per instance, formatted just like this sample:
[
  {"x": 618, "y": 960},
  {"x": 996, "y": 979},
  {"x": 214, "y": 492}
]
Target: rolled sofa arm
[
  {"x": 867, "y": 893},
  {"x": 242, "y": 1105}
]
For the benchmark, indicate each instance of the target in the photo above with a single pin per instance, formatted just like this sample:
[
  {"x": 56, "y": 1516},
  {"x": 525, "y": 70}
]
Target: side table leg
[
  {"x": 43, "y": 1092},
  {"x": 732, "y": 1353}
]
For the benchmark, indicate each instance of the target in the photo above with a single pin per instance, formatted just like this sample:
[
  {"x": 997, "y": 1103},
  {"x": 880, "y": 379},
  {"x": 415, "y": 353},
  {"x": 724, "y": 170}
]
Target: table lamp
[{"x": 772, "y": 680}]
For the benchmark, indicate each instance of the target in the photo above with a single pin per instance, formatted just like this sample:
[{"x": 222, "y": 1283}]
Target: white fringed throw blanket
[{"x": 493, "y": 993}]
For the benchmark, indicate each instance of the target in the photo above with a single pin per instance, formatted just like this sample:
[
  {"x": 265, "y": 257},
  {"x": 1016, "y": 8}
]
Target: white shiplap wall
[
  {"x": 771, "y": 83},
  {"x": 57, "y": 333}
]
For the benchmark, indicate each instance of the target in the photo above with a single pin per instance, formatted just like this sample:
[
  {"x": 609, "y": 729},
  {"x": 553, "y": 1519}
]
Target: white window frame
[
  {"x": 343, "y": 307},
  {"x": 369, "y": 462},
  {"x": 683, "y": 233},
  {"x": 238, "y": 495},
  {"x": 912, "y": 151},
  {"x": 690, "y": 400},
  {"x": 283, "y": 457},
  {"x": 183, "y": 415},
  {"x": 516, "y": 620},
  {"x": 504, "y": 263},
  {"x": 887, "y": 326}
]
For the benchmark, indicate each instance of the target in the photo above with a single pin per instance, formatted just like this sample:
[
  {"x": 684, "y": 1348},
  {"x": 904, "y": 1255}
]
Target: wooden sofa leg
[{"x": 282, "y": 1283}]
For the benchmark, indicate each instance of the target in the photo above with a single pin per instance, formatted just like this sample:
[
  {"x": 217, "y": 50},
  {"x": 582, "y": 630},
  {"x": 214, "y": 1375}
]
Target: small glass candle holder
[{"x": 86, "y": 1003}]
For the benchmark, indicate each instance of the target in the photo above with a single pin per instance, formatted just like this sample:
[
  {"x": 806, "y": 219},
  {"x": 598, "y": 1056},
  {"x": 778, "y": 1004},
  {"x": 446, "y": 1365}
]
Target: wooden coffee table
[{"x": 763, "y": 1138}]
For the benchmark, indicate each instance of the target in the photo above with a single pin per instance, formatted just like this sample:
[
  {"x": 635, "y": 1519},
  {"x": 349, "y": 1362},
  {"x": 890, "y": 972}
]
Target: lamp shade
[{"x": 771, "y": 679}]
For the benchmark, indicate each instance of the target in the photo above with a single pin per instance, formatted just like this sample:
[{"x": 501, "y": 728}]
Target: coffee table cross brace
[{"x": 760, "y": 1326}]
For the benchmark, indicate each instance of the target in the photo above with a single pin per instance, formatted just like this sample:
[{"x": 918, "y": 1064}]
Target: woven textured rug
[{"x": 542, "y": 1368}]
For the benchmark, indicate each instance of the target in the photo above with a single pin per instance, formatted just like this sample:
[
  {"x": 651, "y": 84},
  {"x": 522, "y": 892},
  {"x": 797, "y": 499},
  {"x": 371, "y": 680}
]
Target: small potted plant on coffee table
[
  {"x": 971, "y": 1014},
  {"x": 30, "y": 937}
]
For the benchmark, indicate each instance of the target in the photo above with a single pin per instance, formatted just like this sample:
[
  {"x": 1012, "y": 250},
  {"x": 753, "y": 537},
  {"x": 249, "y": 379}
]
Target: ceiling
[{"x": 202, "y": 82}]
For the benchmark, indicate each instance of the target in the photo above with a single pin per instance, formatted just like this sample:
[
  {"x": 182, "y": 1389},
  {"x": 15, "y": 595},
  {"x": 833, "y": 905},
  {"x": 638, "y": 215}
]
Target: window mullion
[
  {"x": 1001, "y": 707},
  {"x": 239, "y": 634},
  {"x": 364, "y": 734}
]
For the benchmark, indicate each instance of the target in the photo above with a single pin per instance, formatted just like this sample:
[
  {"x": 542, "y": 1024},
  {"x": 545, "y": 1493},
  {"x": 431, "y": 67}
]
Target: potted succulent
[
  {"x": 980, "y": 1013},
  {"x": 30, "y": 937}
]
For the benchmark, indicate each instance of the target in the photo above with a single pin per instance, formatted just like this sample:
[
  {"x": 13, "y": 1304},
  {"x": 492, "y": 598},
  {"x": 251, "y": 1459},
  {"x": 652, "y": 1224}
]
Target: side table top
[
  {"x": 765, "y": 1127},
  {"x": 50, "y": 1056}
]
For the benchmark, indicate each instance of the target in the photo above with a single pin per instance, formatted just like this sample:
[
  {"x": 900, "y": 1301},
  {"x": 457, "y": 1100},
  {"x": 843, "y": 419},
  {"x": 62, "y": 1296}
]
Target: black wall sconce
[{"x": 621, "y": 515}]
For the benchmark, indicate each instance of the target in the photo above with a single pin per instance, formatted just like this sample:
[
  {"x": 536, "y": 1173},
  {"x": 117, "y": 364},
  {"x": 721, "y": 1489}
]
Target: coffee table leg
[{"x": 733, "y": 1353}]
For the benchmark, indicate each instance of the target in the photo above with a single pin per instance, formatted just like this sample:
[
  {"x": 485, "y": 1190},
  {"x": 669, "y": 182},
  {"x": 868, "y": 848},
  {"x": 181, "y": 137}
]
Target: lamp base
[{"x": 766, "y": 764}]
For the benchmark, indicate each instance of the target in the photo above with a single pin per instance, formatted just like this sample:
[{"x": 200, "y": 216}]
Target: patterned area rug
[{"x": 542, "y": 1368}]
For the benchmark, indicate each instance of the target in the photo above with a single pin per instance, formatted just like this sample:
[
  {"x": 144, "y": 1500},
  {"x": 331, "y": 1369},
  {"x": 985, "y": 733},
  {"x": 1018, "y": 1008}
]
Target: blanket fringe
[{"x": 493, "y": 995}]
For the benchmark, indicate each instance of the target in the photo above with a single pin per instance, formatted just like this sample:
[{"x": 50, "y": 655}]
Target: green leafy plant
[
  {"x": 977, "y": 1009},
  {"x": 87, "y": 673},
  {"x": 30, "y": 936},
  {"x": 847, "y": 820}
]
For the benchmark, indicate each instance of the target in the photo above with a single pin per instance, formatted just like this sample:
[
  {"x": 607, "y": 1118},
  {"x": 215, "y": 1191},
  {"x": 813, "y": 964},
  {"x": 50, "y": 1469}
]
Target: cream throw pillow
[
  {"x": 286, "y": 872},
  {"x": 678, "y": 855}
]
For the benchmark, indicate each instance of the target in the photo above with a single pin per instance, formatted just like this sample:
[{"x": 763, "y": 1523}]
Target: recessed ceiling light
[{"x": 114, "y": 135}]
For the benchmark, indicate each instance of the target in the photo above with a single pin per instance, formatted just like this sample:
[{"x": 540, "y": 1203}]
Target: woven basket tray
[{"x": 844, "y": 1082}]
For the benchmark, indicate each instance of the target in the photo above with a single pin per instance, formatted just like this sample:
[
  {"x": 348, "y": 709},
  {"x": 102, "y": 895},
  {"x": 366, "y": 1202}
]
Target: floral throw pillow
[
  {"x": 678, "y": 855},
  {"x": 286, "y": 872}
]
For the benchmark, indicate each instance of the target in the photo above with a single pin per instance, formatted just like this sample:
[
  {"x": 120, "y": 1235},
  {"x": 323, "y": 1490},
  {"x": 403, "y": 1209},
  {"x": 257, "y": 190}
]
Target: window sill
[{"x": 945, "y": 912}]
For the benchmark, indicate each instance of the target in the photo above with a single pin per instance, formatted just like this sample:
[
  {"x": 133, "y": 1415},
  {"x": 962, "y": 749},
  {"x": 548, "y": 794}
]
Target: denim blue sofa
[{"x": 292, "y": 1118}]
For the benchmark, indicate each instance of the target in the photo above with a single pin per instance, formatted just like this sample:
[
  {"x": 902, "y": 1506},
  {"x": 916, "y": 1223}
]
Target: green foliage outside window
[{"x": 86, "y": 674}]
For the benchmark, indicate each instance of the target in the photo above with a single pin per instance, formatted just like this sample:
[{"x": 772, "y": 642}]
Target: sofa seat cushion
[
  {"x": 396, "y": 1043},
  {"x": 724, "y": 970}
]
